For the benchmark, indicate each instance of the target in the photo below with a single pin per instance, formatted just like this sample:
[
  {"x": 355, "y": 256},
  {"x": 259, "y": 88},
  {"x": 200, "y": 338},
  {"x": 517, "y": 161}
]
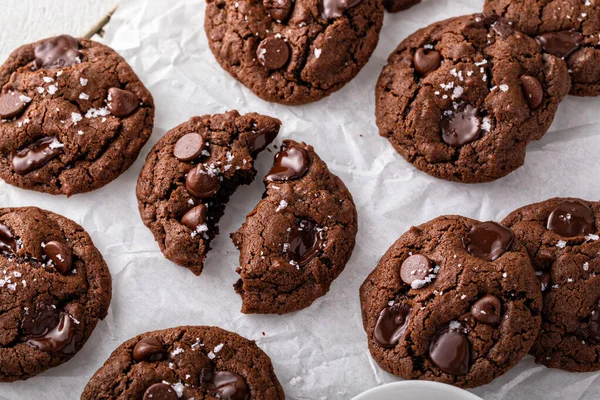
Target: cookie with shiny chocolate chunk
[
  {"x": 54, "y": 287},
  {"x": 561, "y": 236},
  {"x": 74, "y": 116},
  {"x": 462, "y": 98},
  {"x": 453, "y": 300},
  {"x": 298, "y": 238},
  {"x": 393, "y": 6},
  {"x": 189, "y": 176},
  {"x": 569, "y": 29},
  {"x": 293, "y": 51},
  {"x": 187, "y": 362}
]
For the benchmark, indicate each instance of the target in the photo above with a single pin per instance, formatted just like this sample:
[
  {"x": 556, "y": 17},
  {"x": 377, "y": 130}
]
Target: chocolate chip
[
  {"x": 59, "y": 52},
  {"x": 290, "y": 164},
  {"x": 149, "y": 349},
  {"x": 12, "y": 105},
  {"x": 227, "y": 385},
  {"x": 503, "y": 28},
  {"x": 415, "y": 267},
  {"x": 391, "y": 324},
  {"x": 571, "y": 218},
  {"x": 487, "y": 310},
  {"x": 160, "y": 391},
  {"x": 593, "y": 332},
  {"x": 195, "y": 217},
  {"x": 561, "y": 44},
  {"x": 262, "y": 138},
  {"x": 304, "y": 242},
  {"x": 488, "y": 240},
  {"x": 393, "y": 6},
  {"x": 61, "y": 256},
  {"x": 280, "y": 10},
  {"x": 461, "y": 127},
  {"x": 41, "y": 321},
  {"x": 8, "y": 244},
  {"x": 534, "y": 93},
  {"x": 273, "y": 53},
  {"x": 59, "y": 340},
  {"x": 189, "y": 147},
  {"x": 36, "y": 155},
  {"x": 449, "y": 350},
  {"x": 331, "y": 9},
  {"x": 201, "y": 183},
  {"x": 122, "y": 103},
  {"x": 427, "y": 61}
]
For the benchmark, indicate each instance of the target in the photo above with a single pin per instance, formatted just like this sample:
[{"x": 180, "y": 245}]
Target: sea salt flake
[
  {"x": 177, "y": 351},
  {"x": 84, "y": 96},
  {"x": 282, "y": 205},
  {"x": 317, "y": 52},
  {"x": 561, "y": 244},
  {"x": 76, "y": 117},
  {"x": 83, "y": 81}
]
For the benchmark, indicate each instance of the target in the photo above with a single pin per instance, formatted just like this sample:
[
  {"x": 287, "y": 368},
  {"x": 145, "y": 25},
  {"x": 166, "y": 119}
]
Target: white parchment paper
[{"x": 320, "y": 352}]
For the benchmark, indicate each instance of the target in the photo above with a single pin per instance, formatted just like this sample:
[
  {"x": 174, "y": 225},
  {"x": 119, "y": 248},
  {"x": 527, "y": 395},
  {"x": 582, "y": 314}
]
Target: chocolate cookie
[
  {"x": 189, "y": 176},
  {"x": 188, "y": 362},
  {"x": 74, "y": 116},
  {"x": 462, "y": 98},
  {"x": 394, "y": 6},
  {"x": 561, "y": 236},
  {"x": 298, "y": 238},
  {"x": 293, "y": 51},
  {"x": 453, "y": 300},
  {"x": 569, "y": 29},
  {"x": 54, "y": 287}
]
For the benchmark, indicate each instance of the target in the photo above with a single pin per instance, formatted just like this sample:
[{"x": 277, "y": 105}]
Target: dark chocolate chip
[
  {"x": 290, "y": 163},
  {"x": 273, "y": 53},
  {"x": 305, "y": 242},
  {"x": 58, "y": 52},
  {"x": 427, "y": 61},
  {"x": 202, "y": 183},
  {"x": 59, "y": 340},
  {"x": 449, "y": 350},
  {"x": 195, "y": 217},
  {"x": 561, "y": 44},
  {"x": 487, "y": 310},
  {"x": 38, "y": 322},
  {"x": 391, "y": 324},
  {"x": 227, "y": 385},
  {"x": 461, "y": 127},
  {"x": 149, "y": 349},
  {"x": 503, "y": 28},
  {"x": 160, "y": 391},
  {"x": 331, "y": 9},
  {"x": 12, "y": 105},
  {"x": 189, "y": 147},
  {"x": 8, "y": 244},
  {"x": 262, "y": 138},
  {"x": 280, "y": 10},
  {"x": 593, "y": 332},
  {"x": 36, "y": 155},
  {"x": 572, "y": 218},
  {"x": 122, "y": 103},
  {"x": 393, "y": 6},
  {"x": 488, "y": 240},
  {"x": 534, "y": 93},
  {"x": 415, "y": 267},
  {"x": 61, "y": 256}
]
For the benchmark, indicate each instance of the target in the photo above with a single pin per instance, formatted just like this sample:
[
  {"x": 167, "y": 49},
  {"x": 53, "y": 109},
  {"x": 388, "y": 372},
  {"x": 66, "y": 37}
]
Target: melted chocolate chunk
[
  {"x": 572, "y": 218},
  {"x": 391, "y": 324},
  {"x": 593, "y": 333},
  {"x": 160, "y": 391},
  {"x": 305, "y": 242},
  {"x": 280, "y": 10},
  {"x": 290, "y": 164},
  {"x": 227, "y": 385},
  {"x": 12, "y": 105},
  {"x": 449, "y": 350},
  {"x": 59, "y": 340},
  {"x": 561, "y": 44},
  {"x": 36, "y": 155},
  {"x": 8, "y": 244},
  {"x": 122, "y": 103},
  {"x": 273, "y": 53},
  {"x": 415, "y": 267},
  {"x": 200, "y": 183},
  {"x": 427, "y": 61},
  {"x": 37, "y": 324},
  {"x": 189, "y": 147},
  {"x": 58, "y": 52},
  {"x": 331, "y": 9},
  {"x": 149, "y": 349},
  {"x": 487, "y": 310},
  {"x": 461, "y": 127},
  {"x": 488, "y": 240},
  {"x": 262, "y": 138},
  {"x": 60, "y": 254}
]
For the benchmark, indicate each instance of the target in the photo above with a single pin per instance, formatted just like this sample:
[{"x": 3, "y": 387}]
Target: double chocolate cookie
[
  {"x": 74, "y": 116},
  {"x": 453, "y": 300},
  {"x": 188, "y": 362},
  {"x": 293, "y": 51},
  {"x": 189, "y": 176},
  {"x": 462, "y": 98},
  {"x": 54, "y": 287},
  {"x": 569, "y": 29},
  {"x": 561, "y": 236},
  {"x": 298, "y": 238}
]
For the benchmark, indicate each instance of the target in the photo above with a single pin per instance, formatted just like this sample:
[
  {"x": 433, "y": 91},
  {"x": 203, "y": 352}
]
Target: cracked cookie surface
[
  {"x": 561, "y": 238},
  {"x": 293, "y": 52},
  {"x": 189, "y": 176},
  {"x": 54, "y": 287},
  {"x": 74, "y": 116},
  {"x": 454, "y": 301},
  {"x": 462, "y": 98},
  {"x": 566, "y": 28},
  {"x": 298, "y": 238},
  {"x": 188, "y": 362}
]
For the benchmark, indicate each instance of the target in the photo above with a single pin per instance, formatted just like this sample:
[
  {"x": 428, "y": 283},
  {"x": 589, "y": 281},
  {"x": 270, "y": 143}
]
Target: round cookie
[
  {"x": 293, "y": 51},
  {"x": 462, "y": 98},
  {"x": 189, "y": 176},
  {"x": 566, "y": 28},
  {"x": 74, "y": 116},
  {"x": 453, "y": 300},
  {"x": 188, "y": 362},
  {"x": 298, "y": 238},
  {"x": 54, "y": 287},
  {"x": 561, "y": 237}
]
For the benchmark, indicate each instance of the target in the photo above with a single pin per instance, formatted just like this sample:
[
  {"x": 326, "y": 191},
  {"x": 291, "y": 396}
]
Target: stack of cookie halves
[{"x": 461, "y": 302}]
